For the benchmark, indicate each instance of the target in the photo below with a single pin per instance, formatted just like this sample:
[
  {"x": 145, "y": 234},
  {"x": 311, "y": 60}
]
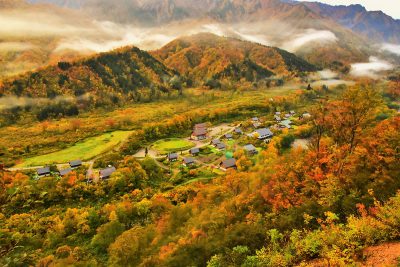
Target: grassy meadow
[
  {"x": 171, "y": 145},
  {"x": 85, "y": 150}
]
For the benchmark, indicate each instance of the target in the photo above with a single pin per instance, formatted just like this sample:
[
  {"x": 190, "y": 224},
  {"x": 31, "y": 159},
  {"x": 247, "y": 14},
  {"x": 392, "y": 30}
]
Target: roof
[
  {"x": 200, "y": 125},
  {"x": 264, "y": 132},
  {"x": 44, "y": 170},
  {"x": 278, "y": 118},
  {"x": 188, "y": 160},
  {"x": 277, "y": 113},
  {"x": 215, "y": 141},
  {"x": 75, "y": 163},
  {"x": 238, "y": 130},
  {"x": 287, "y": 115},
  {"x": 105, "y": 173},
  {"x": 221, "y": 146},
  {"x": 228, "y": 135},
  {"x": 250, "y": 147},
  {"x": 199, "y": 131},
  {"x": 194, "y": 150},
  {"x": 286, "y": 123},
  {"x": 64, "y": 172},
  {"x": 292, "y": 112},
  {"x": 255, "y": 119},
  {"x": 172, "y": 155},
  {"x": 229, "y": 163}
]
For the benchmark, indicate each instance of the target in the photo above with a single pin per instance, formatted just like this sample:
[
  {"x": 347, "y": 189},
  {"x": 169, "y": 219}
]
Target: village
[{"x": 209, "y": 151}]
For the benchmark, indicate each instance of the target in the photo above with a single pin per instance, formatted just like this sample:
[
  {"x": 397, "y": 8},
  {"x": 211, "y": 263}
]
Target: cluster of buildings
[
  {"x": 46, "y": 171},
  {"x": 200, "y": 132}
]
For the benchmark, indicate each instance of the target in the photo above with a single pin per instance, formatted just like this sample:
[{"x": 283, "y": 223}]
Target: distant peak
[{"x": 358, "y": 6}]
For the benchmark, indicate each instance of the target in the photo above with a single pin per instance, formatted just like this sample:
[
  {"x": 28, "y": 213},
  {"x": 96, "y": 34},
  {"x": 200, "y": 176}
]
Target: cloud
[
  {"x": 255, "y": 38},
  {"x": 309, "y": 36},
  {"x": 23, "y": 23},
  {"x": 8, "y": 102},
  {"x": 370, "y": 69},
  {"x": 327, "y": 74},
  {"x": 111, "y": 35},
  {"x": 216, "y": 29},
  {"x": 15, "y": 46},
  {"x": 392, "y": 48}
]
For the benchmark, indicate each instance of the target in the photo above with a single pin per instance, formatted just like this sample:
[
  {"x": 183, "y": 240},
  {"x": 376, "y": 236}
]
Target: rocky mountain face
[
  {"x": 321, "y": 34},
  {"x": 375, "y": 25}
]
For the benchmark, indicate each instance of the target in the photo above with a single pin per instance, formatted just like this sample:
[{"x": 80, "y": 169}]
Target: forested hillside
[
  {"x": 126, "y": 71},
  {"x": 282, "y": 207},
  {"x": 204, "y": 56}
]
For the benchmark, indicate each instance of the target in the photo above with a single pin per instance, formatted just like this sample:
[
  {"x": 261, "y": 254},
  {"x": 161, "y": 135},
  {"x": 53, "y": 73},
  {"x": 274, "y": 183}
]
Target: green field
[
  {"x": 172, "y": 145},
  {"x": 84, "y": 150}
]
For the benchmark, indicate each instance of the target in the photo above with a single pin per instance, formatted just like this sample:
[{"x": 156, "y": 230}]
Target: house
[
  {"x": 106, "y": 173},
  {"x": 250, "y": 149},
  {"x": 306, "y": 115},
  {"x": 64, "y": 172},
  {"x": 199, "y": 134},
  {"x": 43, "y": 171},
  {"x": 277, "y": 113},
  {"x": 254, "y": 119},
  {"x": 229, "y": 136},
  {"x": 277, "y": 118},
  {"x": 288, "y": 115},
  {"x": 188, "y": 161},
  {"x": 238, "y": 131},
  {"x": 228, "y": 164},
  {"x": 285, "y": 124},
  {"x": 172, "y": 157},
  {"x": 75, "y": 163},
  {"x": 215, "y": 142},
  {"x": 221, "y": 146},
  {"x": 292, "y": 112},
  {"x": 200, "y": 125},
  {"x": 194, "y": 151},
  {"x": 264, "y": 133},
  {"x": 199, "y": 131}
]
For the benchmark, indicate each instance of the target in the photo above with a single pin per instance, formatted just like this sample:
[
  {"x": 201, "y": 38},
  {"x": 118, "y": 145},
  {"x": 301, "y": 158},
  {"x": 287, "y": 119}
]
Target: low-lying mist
[
  {"x": 9, "y": 102},
  {"x": 371, "y": 69}
]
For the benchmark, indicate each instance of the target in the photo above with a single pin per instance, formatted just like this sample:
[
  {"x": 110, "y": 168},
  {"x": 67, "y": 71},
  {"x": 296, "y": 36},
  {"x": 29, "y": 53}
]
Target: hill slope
[
  {"x": 206, "y": 55},
  {"x": 123, "y": 71},
  {"x": 375, "y": 25}
]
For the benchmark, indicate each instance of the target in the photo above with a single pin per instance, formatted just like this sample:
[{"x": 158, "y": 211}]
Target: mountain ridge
[
  {"x": 121, "y": 71},
  {"x": 205, "y": 55},
  {"x": 375, "y": 25}
]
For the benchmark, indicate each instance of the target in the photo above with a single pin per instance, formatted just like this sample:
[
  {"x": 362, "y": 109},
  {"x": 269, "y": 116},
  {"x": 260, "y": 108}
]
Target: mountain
[
  {"x": 292, "y": 26},
  {"x": 76, "y": 4},
  {"x": 206, "y": 55},
  {"x": 129, "y": 71},
  {"x": 124, "y": 71},
  {"x": 375, "y": 25},
  {"x": 12, "y": 3},
  {"x": 156, "y": 12},
  {"x": 31, "y": 34}
]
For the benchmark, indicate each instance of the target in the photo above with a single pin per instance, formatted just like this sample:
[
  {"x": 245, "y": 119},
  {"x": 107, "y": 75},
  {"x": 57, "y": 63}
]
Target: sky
[{"x": 390, "y": 7}]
